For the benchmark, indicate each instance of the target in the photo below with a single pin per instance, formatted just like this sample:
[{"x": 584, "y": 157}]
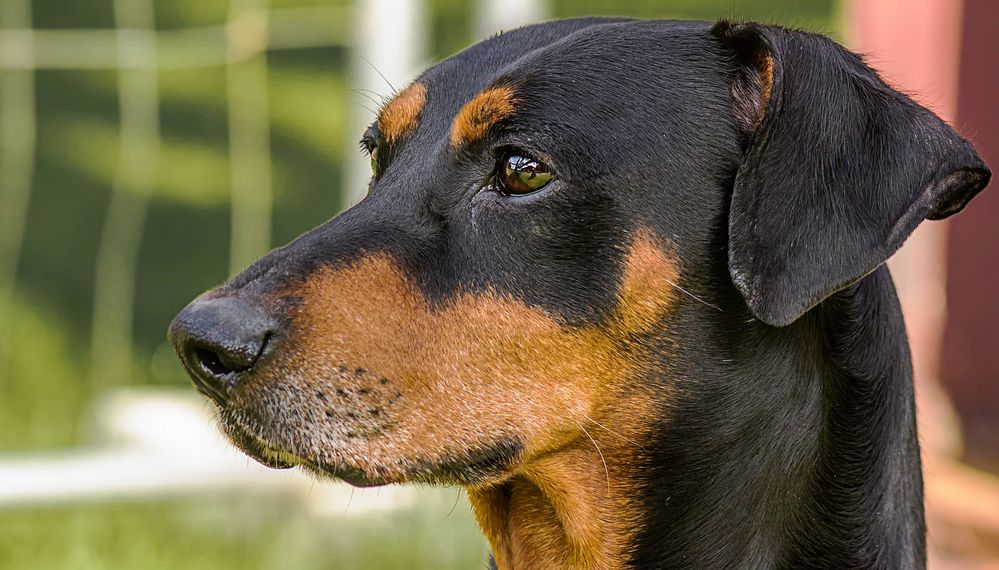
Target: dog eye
[
  {"x": 373, "y": 155},
  {"x": 370, "y": 147},
  {"x": 522, "y": 174}
]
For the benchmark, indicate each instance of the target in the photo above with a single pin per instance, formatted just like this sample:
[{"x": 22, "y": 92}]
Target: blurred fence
[{"x": 138, "y": 51}]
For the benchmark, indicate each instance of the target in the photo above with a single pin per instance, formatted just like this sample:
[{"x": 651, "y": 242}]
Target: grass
[{"x": 240, "y": 532}]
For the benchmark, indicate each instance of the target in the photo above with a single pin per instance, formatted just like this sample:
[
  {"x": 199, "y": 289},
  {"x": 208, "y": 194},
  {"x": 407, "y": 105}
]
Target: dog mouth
[
  {"x": 273, "y": 456},
  {"x": 483, "y": 465}
]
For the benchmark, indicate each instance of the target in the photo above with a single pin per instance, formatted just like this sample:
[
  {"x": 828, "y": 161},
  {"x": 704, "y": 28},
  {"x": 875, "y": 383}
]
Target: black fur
[
  {"x": 792, "y": 443},
  {"x": 840, "y": 171}
]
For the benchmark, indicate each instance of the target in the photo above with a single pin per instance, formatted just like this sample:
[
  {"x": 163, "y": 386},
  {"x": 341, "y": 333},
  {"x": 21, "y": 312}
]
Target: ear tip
[
  {"x": 762, "y": 300},
  {"x": 963, "y": 185},
  {"x": 776, "y": 320},
  {"x": 772, "y": 312}
]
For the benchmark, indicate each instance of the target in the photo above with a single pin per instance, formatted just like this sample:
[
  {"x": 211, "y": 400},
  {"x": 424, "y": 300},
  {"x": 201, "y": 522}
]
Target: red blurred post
[
  {"x": 970, "y": 368},
  {"x": 943, "y": 53},
  {"x": 915, "y": 45}
]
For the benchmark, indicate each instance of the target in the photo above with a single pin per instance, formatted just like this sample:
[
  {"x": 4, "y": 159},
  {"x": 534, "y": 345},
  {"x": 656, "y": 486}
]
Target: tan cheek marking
[
  {"x": 577, "y": 508},
  {"x": 646, "y": 291},
  {"x": 399, "y": 117},
  {"x": 481, "y": 113},
  {"x": 487, "y": 366},
  {"x": 484, "y": 364}
]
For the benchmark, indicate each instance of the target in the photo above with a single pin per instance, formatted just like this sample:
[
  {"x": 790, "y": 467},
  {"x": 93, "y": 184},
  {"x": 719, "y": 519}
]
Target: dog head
[{"x": 549, "y": 211}]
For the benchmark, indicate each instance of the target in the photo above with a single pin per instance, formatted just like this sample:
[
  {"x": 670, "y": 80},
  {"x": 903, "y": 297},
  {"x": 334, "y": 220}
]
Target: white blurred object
[
  {"x": 494, "y": 16},
  {"x": 389, "y": 49},
  {"x": 162, "y": 443}
]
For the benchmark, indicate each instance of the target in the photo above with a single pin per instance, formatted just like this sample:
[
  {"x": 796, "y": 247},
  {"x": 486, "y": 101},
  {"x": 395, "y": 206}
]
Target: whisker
[
  {"x": 602, "y": 460},
  {"x": 362, "y": 93},
  {"x": 631, "y": 441},
  {"x": 695, "y": 297},
  {"x": 382, "y": 75},
  {"x": 349, "y": 500},
  {"x": 456, "y": 497},
  {"x": 369, "y": 109},
  {"x": 378, "y": 94}
]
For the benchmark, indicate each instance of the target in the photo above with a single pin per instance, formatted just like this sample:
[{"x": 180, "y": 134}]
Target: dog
[{"x": 622, "y": 281}]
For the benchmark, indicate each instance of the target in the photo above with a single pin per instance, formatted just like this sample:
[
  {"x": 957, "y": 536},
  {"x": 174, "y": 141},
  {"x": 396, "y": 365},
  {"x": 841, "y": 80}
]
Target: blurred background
[{"x": 149, "y": 149}]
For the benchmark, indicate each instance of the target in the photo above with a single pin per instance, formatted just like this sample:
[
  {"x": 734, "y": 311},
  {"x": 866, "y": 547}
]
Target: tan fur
[
  {"x": 573, "y": 508},
  {"x": 407, "y": 384},
  {"x": 479, "y": 115},
  {"x": 767, "y": 78},
  {"x": 399, "y": 117}
]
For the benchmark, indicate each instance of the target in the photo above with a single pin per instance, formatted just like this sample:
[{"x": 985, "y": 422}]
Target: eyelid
[
  {"x": 371, "y": 139},
  {"x": 507, "y": 149},
  {"x": 368, "y": 144},
  {"x": 504, "y": 147}
]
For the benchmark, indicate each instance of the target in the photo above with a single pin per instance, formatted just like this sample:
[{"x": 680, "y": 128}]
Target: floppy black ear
[{"x": 838, "y": 169}]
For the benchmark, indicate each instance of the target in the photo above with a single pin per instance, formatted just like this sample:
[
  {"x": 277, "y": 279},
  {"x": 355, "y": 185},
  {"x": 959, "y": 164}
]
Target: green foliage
[
  {"x": 42, "y": 395},
  {"x": 240, "y": 533},
  {"x": 815, "y": 14}
]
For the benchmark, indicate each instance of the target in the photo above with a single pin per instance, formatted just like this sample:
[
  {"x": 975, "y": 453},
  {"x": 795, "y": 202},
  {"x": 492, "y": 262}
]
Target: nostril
[
  {"x": 225, "y": 360},
  {"x": 220, "y": 340},
  {"x": 211, "y": 361}
]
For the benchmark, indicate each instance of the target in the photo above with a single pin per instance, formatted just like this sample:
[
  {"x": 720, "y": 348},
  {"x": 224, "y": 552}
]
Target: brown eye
[{"x": 520, "y": 174}]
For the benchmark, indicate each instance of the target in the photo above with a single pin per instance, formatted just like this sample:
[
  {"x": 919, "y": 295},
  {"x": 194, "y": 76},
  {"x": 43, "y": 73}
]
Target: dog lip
[
  {"x": 266, "y": 454},
  {"x": 350, "y": 475},
  {"x": 262, "y": 453},
  {"x": 257, "y": 448},
  {"x": 272, "y": 463}
]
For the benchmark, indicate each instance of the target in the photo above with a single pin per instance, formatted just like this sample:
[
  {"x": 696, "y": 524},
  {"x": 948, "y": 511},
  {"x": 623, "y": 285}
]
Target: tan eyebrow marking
[
  {"x": 479, "y": 115},
  {"x": 400, "y": 116}
]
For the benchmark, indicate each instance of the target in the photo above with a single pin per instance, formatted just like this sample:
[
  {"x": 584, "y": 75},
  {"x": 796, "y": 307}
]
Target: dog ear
[{"x": 838, "y": 169}]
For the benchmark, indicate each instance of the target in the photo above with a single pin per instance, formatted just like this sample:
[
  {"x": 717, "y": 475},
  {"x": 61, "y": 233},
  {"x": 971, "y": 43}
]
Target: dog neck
[
  {"x": 575, "y": 507},
  {"x": 795, "y": 448}
]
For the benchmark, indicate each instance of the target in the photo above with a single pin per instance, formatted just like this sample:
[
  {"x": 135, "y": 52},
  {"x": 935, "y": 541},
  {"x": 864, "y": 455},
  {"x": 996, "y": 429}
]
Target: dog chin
[
  {"x": 485, "y": 464},
  {"x": 271, "y": 455},
  {"x": 445, "y": 473},
  {"x": 256, "y": 448}
]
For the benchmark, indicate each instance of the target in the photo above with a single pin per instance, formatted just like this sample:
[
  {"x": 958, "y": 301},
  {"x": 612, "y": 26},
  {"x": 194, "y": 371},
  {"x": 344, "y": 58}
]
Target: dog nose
[{"x": 219, "y": 340}]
